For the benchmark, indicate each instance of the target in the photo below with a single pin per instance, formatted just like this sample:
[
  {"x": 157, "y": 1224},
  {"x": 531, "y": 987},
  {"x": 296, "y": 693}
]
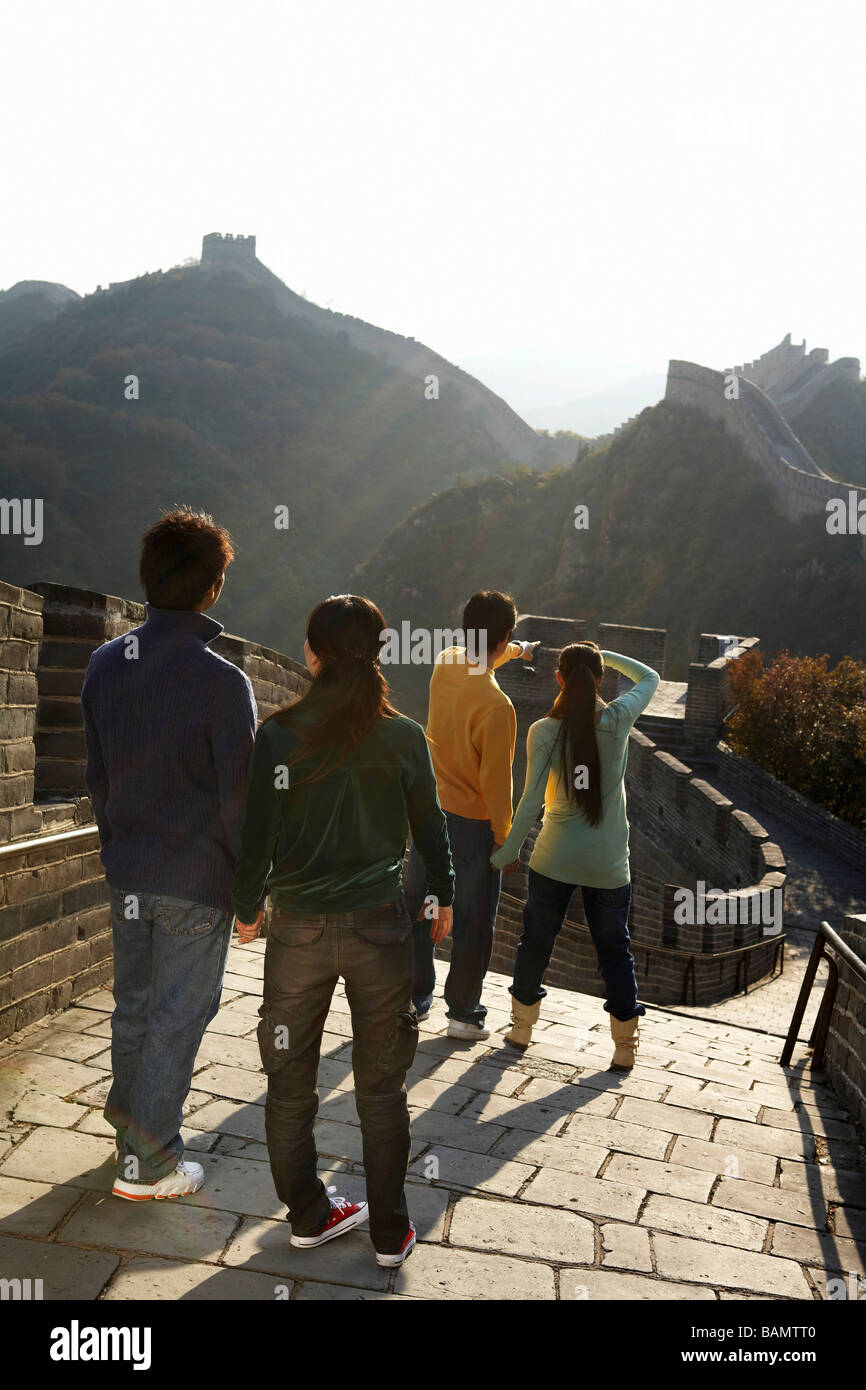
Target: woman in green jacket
[
  {"x": 336, "y": 783},
  {"x": 576, "y": 760}
]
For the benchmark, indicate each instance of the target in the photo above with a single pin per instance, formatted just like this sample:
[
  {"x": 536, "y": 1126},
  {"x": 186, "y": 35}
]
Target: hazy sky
[{"x": 554, "y": 195}]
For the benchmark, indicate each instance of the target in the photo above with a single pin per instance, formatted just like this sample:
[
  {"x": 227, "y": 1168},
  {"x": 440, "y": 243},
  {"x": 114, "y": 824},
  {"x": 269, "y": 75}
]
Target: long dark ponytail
[
  {"x": 348, "y": 694},
  {"x": 581, "y": 667}
]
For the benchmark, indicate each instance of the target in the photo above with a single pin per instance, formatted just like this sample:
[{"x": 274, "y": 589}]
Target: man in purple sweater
[{"x": 170, "y": 728}]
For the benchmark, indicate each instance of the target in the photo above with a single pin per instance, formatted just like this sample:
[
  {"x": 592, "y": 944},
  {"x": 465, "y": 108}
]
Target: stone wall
[
  {"x": 798, "y": 493},
  {"x": 795, "y": 810},
  {"x": 843, "y": 369},
  {"x": 55, "y": 936},
  {"x": 845, "y": 1056},
  {"x": 20, "y": 632},
  {"x": 683, "y": 831}
]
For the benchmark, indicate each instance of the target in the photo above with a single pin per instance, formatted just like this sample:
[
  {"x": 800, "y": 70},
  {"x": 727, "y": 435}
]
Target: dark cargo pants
[{"x": 306, "y": 954}]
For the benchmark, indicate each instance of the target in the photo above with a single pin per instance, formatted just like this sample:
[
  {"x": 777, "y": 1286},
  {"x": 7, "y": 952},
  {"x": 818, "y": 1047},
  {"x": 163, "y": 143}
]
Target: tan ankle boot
[
  {"x": 625, "y": 1036},
  {"x": 523, "y": 1019}
]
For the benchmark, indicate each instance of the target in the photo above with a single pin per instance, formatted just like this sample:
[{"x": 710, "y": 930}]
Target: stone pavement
[{"x": 708, "y": 1173}]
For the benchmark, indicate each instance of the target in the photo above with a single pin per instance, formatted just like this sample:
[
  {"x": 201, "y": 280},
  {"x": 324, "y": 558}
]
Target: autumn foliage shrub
[{"x": 805, "y": 725}]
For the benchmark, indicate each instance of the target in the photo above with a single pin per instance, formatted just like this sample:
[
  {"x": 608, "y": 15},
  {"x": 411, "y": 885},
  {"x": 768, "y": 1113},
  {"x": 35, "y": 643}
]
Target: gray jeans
[{"x": 306, "y": 955}]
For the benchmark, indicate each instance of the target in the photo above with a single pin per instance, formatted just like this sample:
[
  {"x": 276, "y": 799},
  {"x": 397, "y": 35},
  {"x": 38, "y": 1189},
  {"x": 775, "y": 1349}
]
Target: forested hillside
[
  {"x": 682, "y": 534},
  {"x": 240, "y": 410}
]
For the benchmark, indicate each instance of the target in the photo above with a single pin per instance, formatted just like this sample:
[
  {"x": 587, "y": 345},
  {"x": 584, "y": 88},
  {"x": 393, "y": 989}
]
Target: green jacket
[{"x": 337, "y": 845}]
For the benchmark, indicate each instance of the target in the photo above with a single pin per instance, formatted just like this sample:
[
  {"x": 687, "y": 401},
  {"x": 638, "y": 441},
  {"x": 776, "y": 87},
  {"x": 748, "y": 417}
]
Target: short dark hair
[
  {"x": 182, "y": 557},
  {"x": 492, "y": 613}
]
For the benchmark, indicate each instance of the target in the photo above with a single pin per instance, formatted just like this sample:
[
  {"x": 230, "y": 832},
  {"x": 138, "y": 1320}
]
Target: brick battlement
[
  {"x": 55, "y": 936},
  {"x": 682, "y": 830},
  {"x": 54, "y": 929}
]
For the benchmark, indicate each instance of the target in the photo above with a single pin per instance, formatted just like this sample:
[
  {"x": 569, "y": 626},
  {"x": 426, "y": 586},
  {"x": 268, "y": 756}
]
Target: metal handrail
[{"x": 829, "y": 945}]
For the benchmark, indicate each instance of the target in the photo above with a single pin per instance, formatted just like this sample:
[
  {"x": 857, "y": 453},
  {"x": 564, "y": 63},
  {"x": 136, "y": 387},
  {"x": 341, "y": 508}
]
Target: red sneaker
[
  {"x": 344, "y": 1215},
  {"x": 391, "y": 1261}
]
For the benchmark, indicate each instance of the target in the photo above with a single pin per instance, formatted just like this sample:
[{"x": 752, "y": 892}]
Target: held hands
[
  {"x": 248, "y": 932},
  {"x": 512, "y": 868}
]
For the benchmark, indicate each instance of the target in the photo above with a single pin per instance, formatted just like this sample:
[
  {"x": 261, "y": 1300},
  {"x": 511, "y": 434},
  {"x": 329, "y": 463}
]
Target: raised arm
[
  {"x": 628, "y": 707},
  {"x": 526, "y": 650},
  {"x": 539, "y": 752}
]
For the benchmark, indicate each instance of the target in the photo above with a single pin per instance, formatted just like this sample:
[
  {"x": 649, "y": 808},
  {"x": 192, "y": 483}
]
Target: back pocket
[
  {"x": 184, "y": 918},
  {"x": 288, "y": 934}
]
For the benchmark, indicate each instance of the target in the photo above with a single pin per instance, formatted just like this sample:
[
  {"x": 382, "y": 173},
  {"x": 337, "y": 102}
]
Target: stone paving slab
[
  {"x": 672, "y": 1119},
  {"x": 435, "y": 1271},
  {"x": 607, "y": 1285},
  {"x": 548, "y": 1151},
  {"x": 560, "y": 1237},
  {"x": 782, "y": 1143},
  {"x": 157, "y": 1228},
  {"x": 725, "y": 1160},
  {"x": 684, "y": 1218},
  {"x": 144, "y": 1277},
  {"x": 459, "y": 1169},
  {"x": 625, "y": 1247},
  {"x": 833, "y": 1184},
  {"x": 670, "y": 1178},
  {"x": 66, "y": 1273},
  {"x": 708, "y": 1172},
  {"x": 592, "y": 1196},
  {"x": 819, "y": 1247},
  {"x": 33, "y": 1208},
  {"x": 698, "y": 1261},
  {"x": 795, "y": 1206}
]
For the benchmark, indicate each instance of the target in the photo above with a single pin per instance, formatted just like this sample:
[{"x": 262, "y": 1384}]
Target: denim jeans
[
  {"x": 305, "y": 956},
  {"x": 169, "y": 962},
  {"x": 606, "y": 912},
  {"x": 476, "y": 898}
]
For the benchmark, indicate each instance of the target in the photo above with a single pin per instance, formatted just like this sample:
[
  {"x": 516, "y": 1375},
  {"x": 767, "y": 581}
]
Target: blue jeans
[
  {"x": 169, "y": 962},
  {"x": 606, "y": 911},
  {"x": 476, "y": 898}
]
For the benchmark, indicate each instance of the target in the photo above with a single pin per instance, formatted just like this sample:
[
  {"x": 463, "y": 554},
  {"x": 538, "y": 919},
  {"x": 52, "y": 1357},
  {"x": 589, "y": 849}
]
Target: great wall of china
[
  {"x": 55, "y": 937},
  {"x": 522, "y": 444}
]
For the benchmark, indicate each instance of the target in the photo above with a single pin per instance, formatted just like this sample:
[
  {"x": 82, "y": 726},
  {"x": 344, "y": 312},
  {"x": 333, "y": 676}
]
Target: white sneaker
[
  {"x": 469, "y": 1032},
  {"x": 187, "y": 1178}
]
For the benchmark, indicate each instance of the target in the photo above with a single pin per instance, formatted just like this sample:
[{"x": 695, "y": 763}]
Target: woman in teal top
[{"x": 576, "y": 760}]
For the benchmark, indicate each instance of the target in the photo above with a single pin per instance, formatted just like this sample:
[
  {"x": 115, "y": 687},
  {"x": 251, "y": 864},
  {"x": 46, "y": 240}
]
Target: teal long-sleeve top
[
  {"x": 567, "y": 847},
  {"x": 337, "y": 844}
]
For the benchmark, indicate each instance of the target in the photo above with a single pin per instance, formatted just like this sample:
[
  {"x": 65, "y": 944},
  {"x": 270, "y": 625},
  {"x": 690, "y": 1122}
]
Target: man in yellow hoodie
[{"x": 471, "y": 730}]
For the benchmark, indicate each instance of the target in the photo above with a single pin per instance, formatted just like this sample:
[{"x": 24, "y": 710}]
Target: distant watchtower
[{"x": 217, "y": 249}]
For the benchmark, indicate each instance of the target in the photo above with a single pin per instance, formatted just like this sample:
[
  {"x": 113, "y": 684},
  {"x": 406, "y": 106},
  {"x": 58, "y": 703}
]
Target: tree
[{"x": 805, "y": 725}]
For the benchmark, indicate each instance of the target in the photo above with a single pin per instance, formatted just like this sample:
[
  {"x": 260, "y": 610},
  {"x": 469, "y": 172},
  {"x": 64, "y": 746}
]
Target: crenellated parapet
[
  {"x": 683, "y": 831},
  {"x": 222, "y": 248},
  {"x": 748, "y": 413}
]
